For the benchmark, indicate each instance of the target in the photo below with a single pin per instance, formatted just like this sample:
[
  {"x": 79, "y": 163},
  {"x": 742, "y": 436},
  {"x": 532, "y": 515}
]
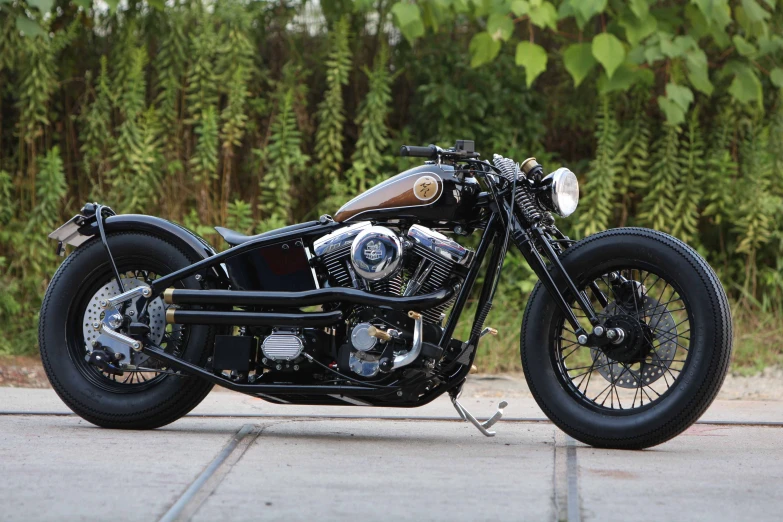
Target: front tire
[
  {"x": 99, "y": 398},
  {"x": 692, "y": 364}
]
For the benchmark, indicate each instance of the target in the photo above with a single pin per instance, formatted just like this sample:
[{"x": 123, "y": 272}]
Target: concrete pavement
[{"x": 296, "y": 463}]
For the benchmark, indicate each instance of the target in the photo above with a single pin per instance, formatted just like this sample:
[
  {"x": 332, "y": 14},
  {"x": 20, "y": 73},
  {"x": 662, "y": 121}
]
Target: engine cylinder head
[{"x": 376, "y": 254}]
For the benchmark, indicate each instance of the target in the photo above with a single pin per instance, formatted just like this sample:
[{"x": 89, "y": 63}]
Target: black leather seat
[{"x": 234, "y": 238}]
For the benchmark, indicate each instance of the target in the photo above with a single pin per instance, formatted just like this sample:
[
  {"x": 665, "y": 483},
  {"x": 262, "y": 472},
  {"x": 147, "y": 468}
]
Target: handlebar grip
[{"x": 430, "y": 152}]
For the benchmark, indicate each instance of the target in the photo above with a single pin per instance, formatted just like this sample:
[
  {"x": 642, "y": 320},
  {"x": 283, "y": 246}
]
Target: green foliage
[
  {"x": 373, "y": 141},
  {"x": 240, "y": 216},
  {"x": 331, "y": 111},
  {"x": 96, "y": 130},
  {"x": 657, "y": 207},
  {"x": 600, "y": 190},
  {"x": 687, "y": 189},
  {"x": 629, "y": 35},
  {"x": 282, "y": 158},
  {"x": 209, "y": 113}
]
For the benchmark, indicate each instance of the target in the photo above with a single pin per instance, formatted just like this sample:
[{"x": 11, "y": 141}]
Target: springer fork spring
[{"x": 526, "y": 202}]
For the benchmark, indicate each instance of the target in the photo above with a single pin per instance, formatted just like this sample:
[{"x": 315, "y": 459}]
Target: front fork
[{"x": 534, "y": 241}]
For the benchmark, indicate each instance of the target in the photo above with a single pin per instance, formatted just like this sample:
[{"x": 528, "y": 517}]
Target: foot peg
[{"x": 482, "y": 427}]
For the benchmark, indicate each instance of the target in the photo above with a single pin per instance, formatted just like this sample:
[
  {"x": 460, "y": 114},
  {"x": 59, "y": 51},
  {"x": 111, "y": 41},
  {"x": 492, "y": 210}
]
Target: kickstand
[{"x": 482, "y": 427}]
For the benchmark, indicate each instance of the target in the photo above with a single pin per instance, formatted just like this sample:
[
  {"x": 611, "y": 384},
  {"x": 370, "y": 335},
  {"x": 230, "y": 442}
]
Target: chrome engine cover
[
  {"x": 282, "y": 346},
  {"x": 376, "y": 254},
  {"x": 440, "y": 244},
  {"x": 361, "y": 339}
]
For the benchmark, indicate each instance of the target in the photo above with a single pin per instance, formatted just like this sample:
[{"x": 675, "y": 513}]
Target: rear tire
[
  {"x": 106, "y": 404},
  {"x": 707, "y": 355}
]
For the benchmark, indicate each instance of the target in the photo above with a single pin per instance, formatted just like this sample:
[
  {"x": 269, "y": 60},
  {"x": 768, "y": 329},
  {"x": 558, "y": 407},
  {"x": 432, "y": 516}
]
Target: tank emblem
[{"x": 425, "y": 188}]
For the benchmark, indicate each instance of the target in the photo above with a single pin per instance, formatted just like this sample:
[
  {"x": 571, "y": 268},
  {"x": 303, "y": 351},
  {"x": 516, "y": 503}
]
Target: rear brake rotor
[
  {"x": 156, "y": 311},
  {"x": 664, "y": 332}
]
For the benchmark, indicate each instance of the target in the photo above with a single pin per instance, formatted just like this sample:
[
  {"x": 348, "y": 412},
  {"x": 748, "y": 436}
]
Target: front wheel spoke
[
  {"x": 671, "y": 340},
  {"x": 593, "y": 368},
  {"x": 672, "y": 333},
  {"x": 611, "y": 383},
  {"x": 571, "y": 352}
]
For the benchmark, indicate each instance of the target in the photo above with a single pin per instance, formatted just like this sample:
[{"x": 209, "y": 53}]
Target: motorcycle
[{"x": 625, "y": 340}]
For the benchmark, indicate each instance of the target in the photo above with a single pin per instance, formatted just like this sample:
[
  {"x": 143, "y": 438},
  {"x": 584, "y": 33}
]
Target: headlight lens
[{"x": 563, "y": 197}]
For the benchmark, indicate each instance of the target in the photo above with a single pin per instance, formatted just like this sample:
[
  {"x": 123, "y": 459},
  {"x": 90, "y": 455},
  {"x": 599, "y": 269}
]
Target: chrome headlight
[{"x": 563, "y": 194}]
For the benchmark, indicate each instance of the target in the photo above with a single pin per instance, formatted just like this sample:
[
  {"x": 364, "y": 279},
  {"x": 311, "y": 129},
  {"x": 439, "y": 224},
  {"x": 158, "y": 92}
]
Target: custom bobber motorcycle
[{"x": 625, "y": 341}]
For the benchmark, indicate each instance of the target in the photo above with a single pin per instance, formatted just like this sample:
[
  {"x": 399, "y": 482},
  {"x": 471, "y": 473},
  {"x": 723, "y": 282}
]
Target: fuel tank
[{"x": 426, "y": 193}]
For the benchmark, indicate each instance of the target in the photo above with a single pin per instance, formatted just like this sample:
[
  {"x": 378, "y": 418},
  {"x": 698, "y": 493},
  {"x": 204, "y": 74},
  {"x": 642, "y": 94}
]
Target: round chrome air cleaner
[{"x": 376, "y": 253}]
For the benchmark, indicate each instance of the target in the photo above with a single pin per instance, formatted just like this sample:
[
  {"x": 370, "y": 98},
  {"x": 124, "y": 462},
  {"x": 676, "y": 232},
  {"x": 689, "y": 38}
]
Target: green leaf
[
  {"x": 43, "y": 5},
  {"x": 640, "y": 8},
  {"x": 746, "y": 87},
  {"x": 533, "y": 58},
  {"x": 609, "y": 51},
  {"x": 769, "y": 45},
  {"x": 776, "y": 76},
  {"x": 408, "y": 18},
  {"x": 483, "y": 49},
  {"x": 543, "y": 15},
  {"x": 637, "y": 30},
  {"x": 698, "y": 75},
  {"x": 717, "y": 11},
  {"x": 405, "y": 13},
  {"x": 677, "y": 47},
  {"x": 743, "y": 47},
  {"x": 500, "y": 26},
  {"x": 112, "y": 5},
  {"x": 590, "y": 8},
  {"x": 520, "y": 7},
  {"x": 653, "y": 53},
  {"x": 158, "y": 5},
  {"x": 578, "y": 60},
  {"x": 754, "y": 11},
  {"x": 680, "y": 95},
  {"x": 624, "y": 77},
  {"x": 674, "y": 113},
  {"x": 29, "y": 27},
  {"x": 86, "y": 4}
]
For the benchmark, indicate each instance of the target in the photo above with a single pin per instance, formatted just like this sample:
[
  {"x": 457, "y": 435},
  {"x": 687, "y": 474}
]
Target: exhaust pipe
[
  {"x": 317, "y": 319},
  {"x": 306, "y": 298}
]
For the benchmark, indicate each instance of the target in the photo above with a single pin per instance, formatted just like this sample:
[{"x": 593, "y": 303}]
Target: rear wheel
[
  {"x": 149, "y": 396},
  {"x": 671, "y": 331}
]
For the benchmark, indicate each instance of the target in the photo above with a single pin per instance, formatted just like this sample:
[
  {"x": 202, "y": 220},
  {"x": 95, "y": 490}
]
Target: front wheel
[{"x": 671, "y": 331}]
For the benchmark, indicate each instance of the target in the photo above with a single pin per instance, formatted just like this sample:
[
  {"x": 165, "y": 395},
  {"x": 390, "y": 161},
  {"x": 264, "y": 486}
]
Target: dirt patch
[{"x": 22, "y": 372}]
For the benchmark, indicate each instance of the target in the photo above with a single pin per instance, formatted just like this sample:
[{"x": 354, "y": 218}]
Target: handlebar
[
  {"x": 430, "y": 152},
  {"x": 463, "y": 150}
]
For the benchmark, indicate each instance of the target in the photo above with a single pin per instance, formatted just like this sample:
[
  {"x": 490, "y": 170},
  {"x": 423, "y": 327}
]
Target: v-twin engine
[{"x": 380, "y": 260}]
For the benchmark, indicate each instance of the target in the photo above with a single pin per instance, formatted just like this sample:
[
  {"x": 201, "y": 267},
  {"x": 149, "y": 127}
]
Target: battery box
[{"x": 234, "y": 352}]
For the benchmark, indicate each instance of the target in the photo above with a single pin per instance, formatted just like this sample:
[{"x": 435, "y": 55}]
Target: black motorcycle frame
[{"x": 539, "y": 244}]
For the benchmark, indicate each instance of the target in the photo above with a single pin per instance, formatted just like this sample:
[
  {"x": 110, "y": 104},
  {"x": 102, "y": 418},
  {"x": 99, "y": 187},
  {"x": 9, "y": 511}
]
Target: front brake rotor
[
  {"x": 156, "y": 311},
  {"x": 663, "y": 330}
]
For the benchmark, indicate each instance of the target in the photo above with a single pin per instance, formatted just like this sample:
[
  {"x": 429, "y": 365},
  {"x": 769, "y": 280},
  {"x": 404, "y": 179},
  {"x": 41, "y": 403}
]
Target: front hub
[
  {"x": 645, "y": 349},
  {"x": 632, "y": 344}
]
